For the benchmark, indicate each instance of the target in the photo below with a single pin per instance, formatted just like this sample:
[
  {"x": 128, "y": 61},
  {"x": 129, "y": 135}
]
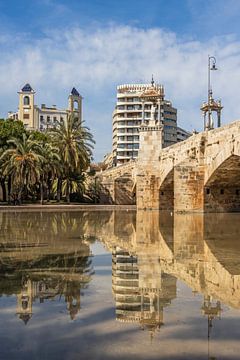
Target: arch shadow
[{"x": 222, "y": 188}]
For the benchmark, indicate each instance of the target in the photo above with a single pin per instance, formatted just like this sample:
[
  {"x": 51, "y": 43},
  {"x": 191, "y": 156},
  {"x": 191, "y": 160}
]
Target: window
[
  {"x": 75, "y": 105},
  {"x": 207, "y": 191},
  {"x": 48, "y": 119},
  {"x": 54, "y": 119},
  {"x": 237, "y": 192},
  {"x": 26, "y": 116},
  {"x": 41, "y": 118},
  {"x": 61, "y": 119},
  {"x": 222, "y": 191},
  {"x": 26, "y": 100},
  {"x": 120, "y": 107}
]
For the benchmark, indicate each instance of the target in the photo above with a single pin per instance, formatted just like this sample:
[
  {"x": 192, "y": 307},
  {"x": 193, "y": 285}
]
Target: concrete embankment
[{"x": 65, "y": 207}]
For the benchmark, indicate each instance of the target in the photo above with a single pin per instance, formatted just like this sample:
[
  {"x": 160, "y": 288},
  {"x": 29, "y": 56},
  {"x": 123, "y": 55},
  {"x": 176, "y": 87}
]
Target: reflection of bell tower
[
  {"x": 75, "y": 104},
  {"x": 24, "y": 302},
  {"x": 26, "y": 107},
  {"x": 72, "y": 298}
]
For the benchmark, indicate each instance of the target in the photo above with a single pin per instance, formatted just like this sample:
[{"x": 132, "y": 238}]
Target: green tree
[
  {"x": 8, "y": 128},
  {"x": 22, "y": 162},
  {"x": 75, "y": 143},
  {"x": 50, "y": 167}
]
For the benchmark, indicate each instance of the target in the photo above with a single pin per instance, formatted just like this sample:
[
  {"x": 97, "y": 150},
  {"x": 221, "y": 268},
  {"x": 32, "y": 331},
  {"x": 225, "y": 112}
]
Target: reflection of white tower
[
  {"x": 141, "y": 291},
  {"x": 75, "y": 104},
  {"x": 24, "y": 301}
]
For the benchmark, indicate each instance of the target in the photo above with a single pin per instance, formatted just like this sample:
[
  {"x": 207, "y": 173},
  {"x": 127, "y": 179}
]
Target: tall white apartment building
[{"x": 138, "y": 104}]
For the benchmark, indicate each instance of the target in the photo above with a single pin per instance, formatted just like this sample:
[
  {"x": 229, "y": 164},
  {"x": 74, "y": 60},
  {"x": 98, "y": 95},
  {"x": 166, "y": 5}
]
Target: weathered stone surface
[{"x": 201, "y": 173}]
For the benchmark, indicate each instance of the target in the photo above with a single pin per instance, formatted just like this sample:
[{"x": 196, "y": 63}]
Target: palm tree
[
  {"x": 75, "y": 143},
  {"x": 3, "y": 179},
  {"x": 22, "y": 163},
  {"x": 50, "y": 167}
]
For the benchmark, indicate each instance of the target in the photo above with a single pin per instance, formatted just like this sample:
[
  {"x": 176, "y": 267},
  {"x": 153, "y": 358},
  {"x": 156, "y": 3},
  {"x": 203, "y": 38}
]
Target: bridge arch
[
  {"x": 124, "y": 190},
  {"x": 222, "y": 187},
  {"x": 166, "y": 192}
]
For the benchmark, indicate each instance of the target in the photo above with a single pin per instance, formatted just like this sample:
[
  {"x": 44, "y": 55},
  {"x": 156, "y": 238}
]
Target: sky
[{"x": 95, "y": 45}]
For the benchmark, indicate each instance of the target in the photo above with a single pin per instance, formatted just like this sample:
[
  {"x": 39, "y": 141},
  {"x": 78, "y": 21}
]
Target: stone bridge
[{"x": 201, "y": 173}]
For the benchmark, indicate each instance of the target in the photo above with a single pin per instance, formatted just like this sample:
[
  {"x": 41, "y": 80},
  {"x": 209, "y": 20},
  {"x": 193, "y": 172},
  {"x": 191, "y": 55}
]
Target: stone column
[
  {"x": 219, "y": 118},
  {"x": 148, "y": 167},
  {"x": 159, "y": 112},
  {"x": 189, "y": 187}
]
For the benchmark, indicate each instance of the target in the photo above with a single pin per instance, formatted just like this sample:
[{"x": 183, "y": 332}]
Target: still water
[{"x": 119, "y": 285}]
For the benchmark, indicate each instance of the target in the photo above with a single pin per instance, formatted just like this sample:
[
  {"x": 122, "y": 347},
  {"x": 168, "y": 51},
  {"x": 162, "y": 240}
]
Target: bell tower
[
  {"x": 75, "y": 103},
  {"x": 26, "y": 107}
]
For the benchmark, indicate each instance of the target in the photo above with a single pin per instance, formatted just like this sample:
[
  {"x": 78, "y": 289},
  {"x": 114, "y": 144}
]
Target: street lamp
[
  {"x": 211, "y": 66},
  {"x": 211, "y": 105}
]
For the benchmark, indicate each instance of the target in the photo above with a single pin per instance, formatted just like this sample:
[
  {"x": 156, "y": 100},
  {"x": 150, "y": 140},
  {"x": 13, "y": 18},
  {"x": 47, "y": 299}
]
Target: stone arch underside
[
  {"x": 124, "y": 191},
  {"x": 166, "y": 193},
  {"x": 222, "y": 189}
]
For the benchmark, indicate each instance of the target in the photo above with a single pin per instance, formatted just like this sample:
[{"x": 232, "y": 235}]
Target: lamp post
[{"x": 211, "y": 66}]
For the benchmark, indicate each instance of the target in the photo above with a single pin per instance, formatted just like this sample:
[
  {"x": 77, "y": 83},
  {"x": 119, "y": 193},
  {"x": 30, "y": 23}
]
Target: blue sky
[{"x": 95, "y": 45}]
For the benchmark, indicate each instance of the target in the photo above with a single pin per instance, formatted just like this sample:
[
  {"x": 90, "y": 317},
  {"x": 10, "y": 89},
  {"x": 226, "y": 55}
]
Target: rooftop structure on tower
[{"x": 42, "y": 117}]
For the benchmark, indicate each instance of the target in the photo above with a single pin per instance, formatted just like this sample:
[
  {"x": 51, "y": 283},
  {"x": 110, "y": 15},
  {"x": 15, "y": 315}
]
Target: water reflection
[
  {"x": 47, "y": 257},
  {"x": 203, "y": 251},
  {"x": 44, "y": 257}
]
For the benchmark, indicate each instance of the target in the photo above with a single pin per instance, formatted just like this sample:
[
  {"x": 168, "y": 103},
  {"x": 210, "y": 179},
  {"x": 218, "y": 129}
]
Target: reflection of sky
[{"x": 95, "y": 334}]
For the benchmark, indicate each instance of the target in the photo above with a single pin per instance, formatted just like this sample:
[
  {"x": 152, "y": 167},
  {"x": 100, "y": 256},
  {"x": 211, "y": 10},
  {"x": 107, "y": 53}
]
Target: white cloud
[{"x": 96, "y": 61}]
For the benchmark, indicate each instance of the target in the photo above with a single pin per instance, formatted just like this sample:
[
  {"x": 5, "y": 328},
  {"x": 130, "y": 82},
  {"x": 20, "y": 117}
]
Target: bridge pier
[
  {"x": 188, "y": 188},
  {"x": 147, "y": 192}
]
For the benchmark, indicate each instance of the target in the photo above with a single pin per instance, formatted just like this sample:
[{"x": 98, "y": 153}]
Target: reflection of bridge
[
  {"x": 199, "y": 174},
  {"x": 196, "y": 249},
  {"x": 150, "y": 250}
]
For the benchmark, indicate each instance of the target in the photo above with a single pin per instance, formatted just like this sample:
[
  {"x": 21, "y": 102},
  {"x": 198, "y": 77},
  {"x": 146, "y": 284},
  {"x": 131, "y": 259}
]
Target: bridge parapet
[{"x": 201, "y": 173}]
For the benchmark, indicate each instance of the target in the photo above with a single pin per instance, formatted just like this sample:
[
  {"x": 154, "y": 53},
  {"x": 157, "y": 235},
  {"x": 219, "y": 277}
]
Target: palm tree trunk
[
  {"x": 49, "y": 186},
  {"x": 41, "y": 191},
  {"x": 4, "y": 190},
  {"x": 19, "y": 195},
  {"x": 9, "y": 187},
  {"x": 59, "y": 188},
  {"x": 68, "y": 192}
]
